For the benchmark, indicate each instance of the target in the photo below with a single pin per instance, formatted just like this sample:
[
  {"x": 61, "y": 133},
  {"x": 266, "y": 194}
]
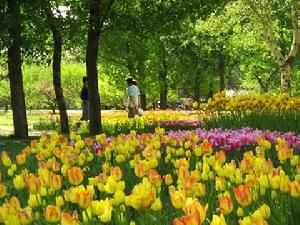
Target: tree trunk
[
  {"x": 141, "y": 73},
  {"x": 163, "y": 89},
  {"x": 15, "y": 71},
  {"x": 56, "y": 70},
  {"x": 163, "y": 78},
  {"x": 91, "y": 67},
  {"x": 221, "y": 71},
  {"x": 286, "y": 78},
  {"x": 64, "y": 123},
  {"x": 197, "y": 87}
]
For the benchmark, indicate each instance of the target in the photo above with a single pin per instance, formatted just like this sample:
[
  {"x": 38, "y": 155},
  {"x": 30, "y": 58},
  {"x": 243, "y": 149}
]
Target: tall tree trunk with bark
[
  {"x": 91, "y": 67},
  {"x": 15, "y": 71},
  {"x": 56, "y": 70}
]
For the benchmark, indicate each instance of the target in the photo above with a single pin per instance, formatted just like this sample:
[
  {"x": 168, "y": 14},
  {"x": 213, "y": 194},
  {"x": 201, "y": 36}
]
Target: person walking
[
  {"x": 133, "y": 97},
  {"x": 85, "y": 100}
]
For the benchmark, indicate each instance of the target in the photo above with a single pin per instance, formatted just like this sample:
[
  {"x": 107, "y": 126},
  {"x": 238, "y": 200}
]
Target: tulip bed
[
  {"x": 263, "y": 111},
  {"x": 114, "y": 123},
  {"x": 182, "y": 178}
]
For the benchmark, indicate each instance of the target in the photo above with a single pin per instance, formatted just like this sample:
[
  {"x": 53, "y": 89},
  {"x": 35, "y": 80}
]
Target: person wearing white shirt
[{"x": 133, "y": 98}]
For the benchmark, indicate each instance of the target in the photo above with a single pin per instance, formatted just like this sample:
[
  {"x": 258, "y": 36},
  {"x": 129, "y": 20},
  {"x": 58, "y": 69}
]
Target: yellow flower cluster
[
  {"x": 84, "y": 181},
  {"x": 252, "y": 103}
]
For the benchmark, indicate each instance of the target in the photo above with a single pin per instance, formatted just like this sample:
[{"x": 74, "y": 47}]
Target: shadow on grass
[{"x": 12, "y": 145}]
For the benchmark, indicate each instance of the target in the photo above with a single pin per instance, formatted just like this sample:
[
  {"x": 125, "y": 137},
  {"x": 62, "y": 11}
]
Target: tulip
[
  {"x": 294, "y": 188},
  {"x": 154, "y": 177},
  {"x": 85, "y": 198},
  {"x": 5, "y": 159},
  {"x": 156, "y": 205},
  {"x": 55, "y": 182},
  {"x": 2, "y": 190},
  {"x": 218, "y": 220},
  {"x": 19, "y": 182},
  {"x": 119, "y": 197},
  {"x": 116, "y": 173},
  {"x": 14, "y": 202},
  {"x": 140, "y": 169},
  {"x": 21, "y": 159},
  {"x": 67, "y": 219},
  {"x": 178, "y": 198},
  {"x": 265, "y": 211},
  {"x": 193, "y": 206},
  {"x": 34, "y": 200},
  {"x": 25, "y": 216},
  {"x": 226, "y": 204},
  {"x": 187, "y": 220},
  {"x": 33, "y": 183},
  {"x": 168, "y": 179},
  {"x": 243, "y": 195},
  {"x": 52, "y": 214},
  {"x": 75, "y": 175},
  {"x": 59, "y": 200}
]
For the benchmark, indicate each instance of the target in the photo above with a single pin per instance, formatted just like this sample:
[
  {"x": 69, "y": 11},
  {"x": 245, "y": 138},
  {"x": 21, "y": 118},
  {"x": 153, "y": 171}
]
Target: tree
[
  {"x": 56, "y": 66},
  {"x": 15, "y": 70},
  {"x": 98, "y": 14},
  {"x": 262, "y": 11}
]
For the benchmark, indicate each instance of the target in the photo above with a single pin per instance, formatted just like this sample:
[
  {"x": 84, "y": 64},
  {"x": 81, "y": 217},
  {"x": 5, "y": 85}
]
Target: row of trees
[{"x": 185, "y": 45}]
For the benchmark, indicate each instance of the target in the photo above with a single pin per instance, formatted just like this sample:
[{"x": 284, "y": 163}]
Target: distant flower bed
[
  {"x": 114, "y": 123},
  {"x": 252, "y": 103},
  {"x": 179, "y": 123}
]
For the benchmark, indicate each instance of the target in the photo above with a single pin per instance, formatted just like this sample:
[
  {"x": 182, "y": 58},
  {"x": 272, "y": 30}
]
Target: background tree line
[{"x": 174, "y": 48}]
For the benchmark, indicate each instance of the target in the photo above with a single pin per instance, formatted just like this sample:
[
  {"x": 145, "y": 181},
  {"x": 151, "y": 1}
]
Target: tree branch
[
  {"x": 296, "y": 33},
  {"x": 106, "y": 12}
]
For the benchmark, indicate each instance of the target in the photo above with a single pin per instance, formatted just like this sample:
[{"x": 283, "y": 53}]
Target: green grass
[{"x": 13, "y": 146}]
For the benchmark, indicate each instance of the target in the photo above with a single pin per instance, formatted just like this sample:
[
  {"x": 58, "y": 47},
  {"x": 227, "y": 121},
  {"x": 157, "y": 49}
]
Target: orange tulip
[
  {"x": 67, "y": 219},
  {"x": 15, "y": 203},
  {"x": 2, "y": 190},
  {"x": 116, "y": 173},
  {"x": 85, "y": 198},
  {"x": 187, "y": 220},
  {"x": 56, "y": 166},
  {"x": 52, "y": 214},
  {"x": 206, "y": 147},
  {"x": 154, "y": 177},
  {"x": 140, "y": 169},
  {"x": 220, "y": 157},
  {"x": 21, "y": 159},
  {"x": 226, "y": 204},
  {"x": 102, "y": 178},
  {"x": 33, "y": 183},
  {"x": 55, "y": 182},
  {"x": 188, "y": 184},
  {"x": 75, "y": 175},
  {"x": 294, "y": 188},
  {"x": 193, "y": 207},
  {"x": 25, "y": 216},
  {"x": 243, "y": 195}
]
